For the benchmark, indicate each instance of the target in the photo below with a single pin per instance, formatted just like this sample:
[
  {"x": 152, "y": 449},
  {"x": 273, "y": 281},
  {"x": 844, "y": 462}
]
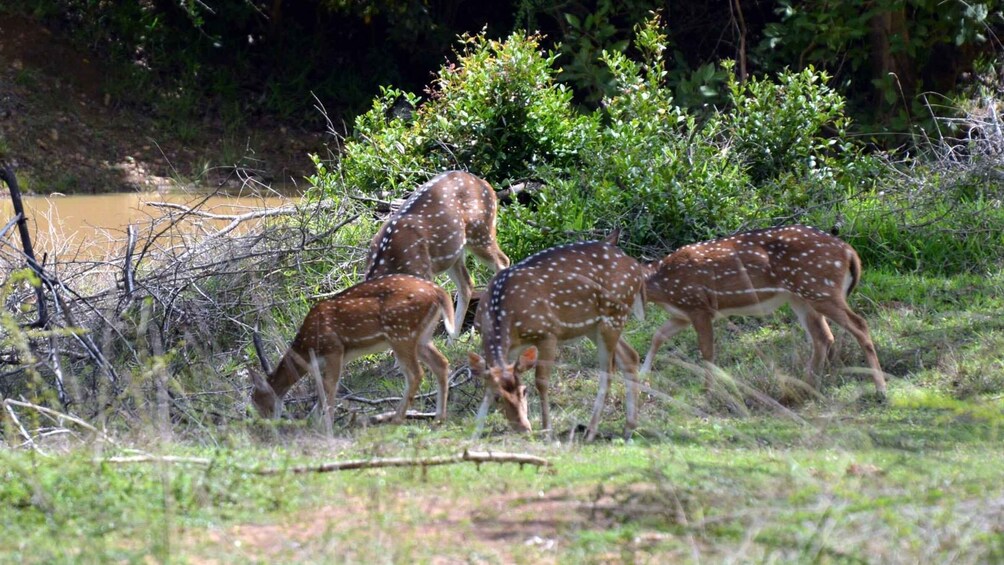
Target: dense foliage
[
  {"x": 778, "y": 152},
  {"x": 232, "y": 59}
]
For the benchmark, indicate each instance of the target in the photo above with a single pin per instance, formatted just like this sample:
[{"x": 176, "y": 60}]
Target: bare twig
[
  {"x": 385, "y": 417},
  {"x": 476, "y": 457},
  {"x": 59, "y": 416},
  {"x": 17, "y": 422}
]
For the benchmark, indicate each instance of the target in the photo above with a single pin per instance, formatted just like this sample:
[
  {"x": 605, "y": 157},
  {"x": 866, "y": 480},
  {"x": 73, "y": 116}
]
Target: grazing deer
[
  {"x": 398, "y": 312},
  {"x": 754, "y": 273},
  {"x": 584, "y": 289},
  {"x": 430, "y": 232}
]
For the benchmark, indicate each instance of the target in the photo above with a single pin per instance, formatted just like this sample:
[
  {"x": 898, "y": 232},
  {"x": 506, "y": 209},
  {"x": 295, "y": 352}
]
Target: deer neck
[
  {"x": 284, "y": 376},
  {"x": 496, "y": 333}
]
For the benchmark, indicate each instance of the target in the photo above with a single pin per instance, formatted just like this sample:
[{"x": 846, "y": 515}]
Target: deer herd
[{"x": 585, "y": 289}]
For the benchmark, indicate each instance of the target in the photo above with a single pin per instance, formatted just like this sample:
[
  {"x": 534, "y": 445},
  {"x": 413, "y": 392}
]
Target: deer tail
[
  {"x": 854, "y": 263},
  {"x": 446, "y": 308},
  {"x": 638, "y": 308}
]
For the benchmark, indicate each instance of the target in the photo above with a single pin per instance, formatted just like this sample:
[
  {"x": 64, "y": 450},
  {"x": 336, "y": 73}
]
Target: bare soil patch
[
  {"x": 438, "y": 526},
  {"x": 67, "y": 132}
]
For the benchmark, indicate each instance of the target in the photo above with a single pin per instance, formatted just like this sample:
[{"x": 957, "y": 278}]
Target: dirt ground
[
  {"x": 437, "y": 527},
  {"x": 66, "y": 133}
]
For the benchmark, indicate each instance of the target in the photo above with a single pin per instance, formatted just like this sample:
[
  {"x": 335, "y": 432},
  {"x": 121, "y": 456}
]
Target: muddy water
[{"x": 91, "y": 226}]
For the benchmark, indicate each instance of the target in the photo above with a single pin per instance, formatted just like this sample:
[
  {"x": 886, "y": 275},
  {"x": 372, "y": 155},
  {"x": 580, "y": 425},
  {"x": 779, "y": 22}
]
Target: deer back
[
  {"x": 429, "y": 231},
  {"x": 388, "y": 308},
  {"x": 565, "y": 292},
  {"x": 732, "y": 272}
]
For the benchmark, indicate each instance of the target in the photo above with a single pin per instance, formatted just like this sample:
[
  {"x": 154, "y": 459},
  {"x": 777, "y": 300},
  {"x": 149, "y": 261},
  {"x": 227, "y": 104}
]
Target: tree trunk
[{"x": 889, "y": 36}]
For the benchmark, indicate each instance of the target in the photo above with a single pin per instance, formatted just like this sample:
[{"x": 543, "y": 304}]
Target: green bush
[
  {"x": 778, "y": 154},
  {"x": 498, "y": 112},
  {"x": 652, "y": 168}
]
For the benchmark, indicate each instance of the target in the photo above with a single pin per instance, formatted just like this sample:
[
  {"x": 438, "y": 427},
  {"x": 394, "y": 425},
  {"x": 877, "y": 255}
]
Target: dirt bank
[{"x": 69, "y": 128}]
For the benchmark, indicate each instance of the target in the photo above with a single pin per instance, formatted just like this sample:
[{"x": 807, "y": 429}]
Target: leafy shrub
[
  {"x": 640, "y": 161},
  {"x": 778, "y": 154},
  {"x": 497, "y": 112},
  {"x": 776, "y": 126},
  {"x": 652, "y": 168}
]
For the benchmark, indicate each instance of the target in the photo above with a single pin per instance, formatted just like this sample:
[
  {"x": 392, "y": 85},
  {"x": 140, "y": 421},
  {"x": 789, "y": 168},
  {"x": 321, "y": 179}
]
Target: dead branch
[
  {"x": 476, "y": 457},
  {"x": 385, "y": 417},
  {"x": 453, "y": 381},
  {"x": 8, "y": 176},
  {"x": 20, "y": 427},
  {"x": 157, "y": 459},
  {"x": 59, "y": 417}
]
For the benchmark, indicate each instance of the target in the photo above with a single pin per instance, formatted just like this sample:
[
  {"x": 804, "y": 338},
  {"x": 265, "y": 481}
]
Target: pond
[{"x": 89, "y": 226}]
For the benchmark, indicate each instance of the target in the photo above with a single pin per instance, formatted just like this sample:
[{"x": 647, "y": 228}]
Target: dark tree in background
[{"x": 239, "y": 58}]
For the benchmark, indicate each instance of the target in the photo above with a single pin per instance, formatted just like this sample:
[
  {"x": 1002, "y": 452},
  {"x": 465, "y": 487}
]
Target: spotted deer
[
  {"x": 430, "y": 232},
  {"x": 396, "y": 312},
  {"x": 584, "y": 289},
  {"x": 753, "y": 273}
]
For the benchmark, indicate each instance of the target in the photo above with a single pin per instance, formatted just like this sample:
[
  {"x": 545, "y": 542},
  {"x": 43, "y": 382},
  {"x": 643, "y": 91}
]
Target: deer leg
[
  {"x": 843, "y": 316},
  {"x": 490, "y": 254},
  {"x": 606, "y": 347},
  {"x": 667, "y": 331},
  {"x": 465, "y": 287},
  {"x": 705, "y": 342},
  {"x": 627, "y": 361},
  {"x": 818, "y": 332},
  {"x": 407, "y": 359},
  {"x": 546, "y": 352},
  {"x": 440, "y": 367},
  {"x": 332, "y": 373}
]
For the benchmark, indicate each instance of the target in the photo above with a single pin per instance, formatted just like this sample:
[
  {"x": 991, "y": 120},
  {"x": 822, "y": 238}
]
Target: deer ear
[
  {"x": 259, "y": 382},
  {"x": 613, "y": 237},
  {"x": 526, "y": 360},
  {"x": 476, "y": 362}
]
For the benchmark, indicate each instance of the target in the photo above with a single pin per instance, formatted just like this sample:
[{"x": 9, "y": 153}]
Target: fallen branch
[
  {"x": 59, "y": 416},
  {"x": 157, "y": 459},
  {"x": 17, "y": 422},
  {"x": 409, "y": 415},
  {"x": 476, "y": 457},
  {"x": 7, "y": 175}
]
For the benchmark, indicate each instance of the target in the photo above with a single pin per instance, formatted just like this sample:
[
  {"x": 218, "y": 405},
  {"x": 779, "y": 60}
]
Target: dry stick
[
  {"x": 59, "y": 417},
  {"x": 17, "y": 422},
  {"x": 57, "y": 370},
  {"x": 156, "y": 459},
  {"x": 235, "y": 219},
  {"x": 127, "y": 274},
  {"x": 476, "y": 457},
  {"x": 408, "y": 415},
  {"x": 354, "y": 397},
  {"x": 7, "y": 175},
  {"x": 13, "y": 221}
]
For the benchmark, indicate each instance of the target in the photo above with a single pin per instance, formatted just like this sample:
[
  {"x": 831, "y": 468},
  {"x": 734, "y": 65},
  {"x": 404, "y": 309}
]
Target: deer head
[
  {"x": 397, "y": 312},
  {"x": 754, "y": 273},
  {"x": 429, "y": 234},
  {"x": 504, "y": 381},
  {"x": 263, "y": 396},
  {"x": 584, "y": 289}
]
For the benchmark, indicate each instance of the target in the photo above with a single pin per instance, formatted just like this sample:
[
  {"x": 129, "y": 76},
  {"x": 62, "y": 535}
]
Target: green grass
[
  {"x": 752, "y": 489},
  {"x": 832, "y": 478}
]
